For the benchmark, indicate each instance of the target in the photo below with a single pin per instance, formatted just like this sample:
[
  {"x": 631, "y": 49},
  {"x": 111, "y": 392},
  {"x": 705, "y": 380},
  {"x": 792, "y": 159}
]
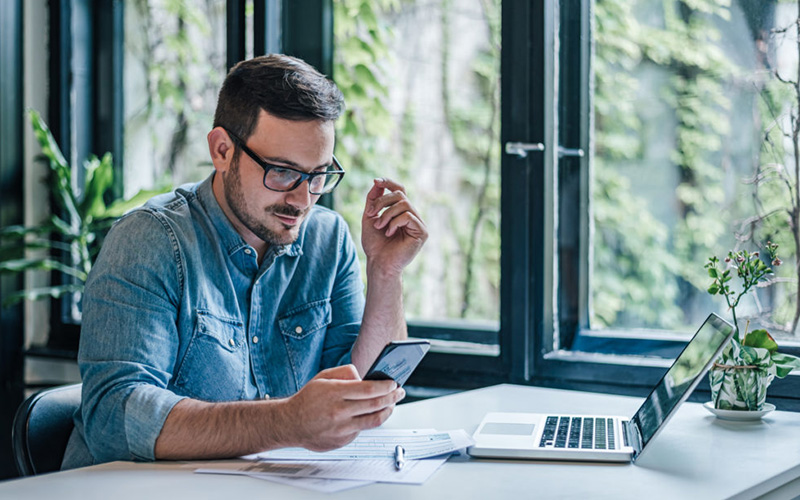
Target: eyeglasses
[{"x": 283, "y": 179}]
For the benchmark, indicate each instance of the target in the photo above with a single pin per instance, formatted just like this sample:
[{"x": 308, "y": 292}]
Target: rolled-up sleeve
[{"x": 129, "y": 338}]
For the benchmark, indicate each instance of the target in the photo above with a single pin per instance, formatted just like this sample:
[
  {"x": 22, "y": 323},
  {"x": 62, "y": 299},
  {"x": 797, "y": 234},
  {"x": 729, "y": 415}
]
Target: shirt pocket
[
  {"x": 303, "y": 332},
  {"x": 214, "y": 367}
]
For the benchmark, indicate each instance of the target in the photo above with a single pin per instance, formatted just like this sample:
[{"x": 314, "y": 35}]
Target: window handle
[
  {"x": 562, "y": 152},
  {"x": 521, "y": 148}
]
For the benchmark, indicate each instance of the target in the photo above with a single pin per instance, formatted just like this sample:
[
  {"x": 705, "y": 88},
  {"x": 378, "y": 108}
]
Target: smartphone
[{"x": 398, "y": 360}]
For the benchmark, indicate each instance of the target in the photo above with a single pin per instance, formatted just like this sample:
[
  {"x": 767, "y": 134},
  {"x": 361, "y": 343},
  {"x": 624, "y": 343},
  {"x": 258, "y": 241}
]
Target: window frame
[
  {"x": 525, "y": 265},
  {"x": 11, "y": 203}
]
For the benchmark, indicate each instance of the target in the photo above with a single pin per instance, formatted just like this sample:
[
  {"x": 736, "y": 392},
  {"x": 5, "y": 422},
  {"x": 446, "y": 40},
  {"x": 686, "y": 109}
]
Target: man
[{"x": 229, "y": 317}]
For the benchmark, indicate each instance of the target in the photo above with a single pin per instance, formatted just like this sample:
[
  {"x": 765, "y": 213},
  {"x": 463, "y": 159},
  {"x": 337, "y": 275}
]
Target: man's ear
[{"x": 220, "y": 146}]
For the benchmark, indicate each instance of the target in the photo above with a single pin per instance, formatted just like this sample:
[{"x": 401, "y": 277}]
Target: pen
[{"x": 399, "y": 457}]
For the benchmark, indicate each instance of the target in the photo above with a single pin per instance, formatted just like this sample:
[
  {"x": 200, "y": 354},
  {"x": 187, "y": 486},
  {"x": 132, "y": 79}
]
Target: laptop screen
[{"x": 682, "y": 377}]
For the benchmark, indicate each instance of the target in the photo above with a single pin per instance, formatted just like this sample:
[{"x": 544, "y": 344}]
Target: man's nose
[{"x": 299, "y": 197}]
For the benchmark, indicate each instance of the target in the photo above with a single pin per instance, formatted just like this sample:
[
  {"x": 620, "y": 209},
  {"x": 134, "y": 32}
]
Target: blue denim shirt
[{"x": 177, "y": 306}]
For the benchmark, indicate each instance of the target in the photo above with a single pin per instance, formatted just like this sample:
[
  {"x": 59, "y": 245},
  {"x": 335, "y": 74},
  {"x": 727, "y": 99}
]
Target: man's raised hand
[{"x": 392, "y": 232}]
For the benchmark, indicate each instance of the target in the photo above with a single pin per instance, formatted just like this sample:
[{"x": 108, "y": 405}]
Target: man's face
[{"x": 270, "y": 216}]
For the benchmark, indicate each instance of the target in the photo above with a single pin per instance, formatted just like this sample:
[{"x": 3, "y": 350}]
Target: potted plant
[
  {"x": 740, "y": 376},
  {"x": 68, "y": 241}
]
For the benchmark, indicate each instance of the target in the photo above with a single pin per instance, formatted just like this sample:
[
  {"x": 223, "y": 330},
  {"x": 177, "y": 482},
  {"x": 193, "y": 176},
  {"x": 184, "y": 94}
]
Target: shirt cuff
[{"x": 145, "y": 412}]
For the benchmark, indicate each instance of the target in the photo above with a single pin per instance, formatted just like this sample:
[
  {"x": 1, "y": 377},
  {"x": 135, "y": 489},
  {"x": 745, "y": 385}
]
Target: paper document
[
  {"x": 313, "y": 483},
  {"x": 383, "y": 470},
  {"x": 379, "y": 444},
  {"x": 241, "y": 468}
]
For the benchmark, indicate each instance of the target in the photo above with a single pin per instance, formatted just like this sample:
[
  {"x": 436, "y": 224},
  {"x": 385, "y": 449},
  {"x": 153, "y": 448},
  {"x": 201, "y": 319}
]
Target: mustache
[{"x": 286, "y": 210}]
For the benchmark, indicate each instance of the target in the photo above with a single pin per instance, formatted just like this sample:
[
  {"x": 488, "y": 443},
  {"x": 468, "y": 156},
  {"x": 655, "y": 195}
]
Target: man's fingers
[
  {"x": 365, "y": 406},
  {"x": 344, "y": 372},
  {"x": 389, "y": 184},
  {"x": 378, "y": 200},
  {"x": 354, "y": 389},
  {"x": 370, "y": 389},
  {"x": 393, "y": 209},
  {"x": 413, "y": 226},
  {"x": 372, "y": 420}
]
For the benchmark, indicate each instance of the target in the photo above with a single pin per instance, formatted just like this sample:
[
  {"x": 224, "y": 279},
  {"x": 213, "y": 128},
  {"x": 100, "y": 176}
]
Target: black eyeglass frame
[{"x": 303, "y": 175}]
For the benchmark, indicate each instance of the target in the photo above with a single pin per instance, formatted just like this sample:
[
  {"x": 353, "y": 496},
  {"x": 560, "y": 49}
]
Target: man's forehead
[{"x": 305, "y": 144}]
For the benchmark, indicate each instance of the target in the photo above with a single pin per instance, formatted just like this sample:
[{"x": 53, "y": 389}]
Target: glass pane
[
  {"x": 693, "y": 156},
  {"x": 422, "y": 84},
  {"x": 174, "y": 67}
]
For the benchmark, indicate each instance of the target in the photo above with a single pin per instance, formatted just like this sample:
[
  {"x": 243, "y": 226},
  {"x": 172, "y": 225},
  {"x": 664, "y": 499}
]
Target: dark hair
[{"x": 283, "y": 86}]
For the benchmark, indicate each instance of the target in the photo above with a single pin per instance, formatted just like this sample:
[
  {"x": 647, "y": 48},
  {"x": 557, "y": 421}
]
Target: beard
[{"x": 256, "y": 225}]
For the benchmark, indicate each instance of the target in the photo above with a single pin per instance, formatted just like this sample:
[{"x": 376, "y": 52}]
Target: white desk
[{"x": 696, "y": 456}]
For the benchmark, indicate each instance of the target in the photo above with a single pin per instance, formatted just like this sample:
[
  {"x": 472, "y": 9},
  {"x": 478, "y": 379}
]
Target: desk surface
[{"x": 696, "y": 456}]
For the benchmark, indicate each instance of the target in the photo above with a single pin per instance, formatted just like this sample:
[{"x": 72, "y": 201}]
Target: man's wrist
[
  {"x": 283, "y": 425},
  {"x": 377, "y": 270}
]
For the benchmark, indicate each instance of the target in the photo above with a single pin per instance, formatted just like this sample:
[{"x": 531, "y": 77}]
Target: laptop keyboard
[{"x": 578, "y": 432}]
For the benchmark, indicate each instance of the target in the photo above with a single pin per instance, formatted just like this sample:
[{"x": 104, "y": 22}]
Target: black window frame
[
  {"x": 12, "y": 161},
  {"x": 526, "y": 215}
]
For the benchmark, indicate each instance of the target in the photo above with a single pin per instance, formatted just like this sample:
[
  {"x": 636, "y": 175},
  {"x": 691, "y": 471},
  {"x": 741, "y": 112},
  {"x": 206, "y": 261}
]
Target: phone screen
[{"x": 398, "y": 360}]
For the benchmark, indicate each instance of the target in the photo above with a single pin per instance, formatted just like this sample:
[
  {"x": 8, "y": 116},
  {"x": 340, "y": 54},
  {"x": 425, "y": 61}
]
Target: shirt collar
[{"x": 230, "y": 239}]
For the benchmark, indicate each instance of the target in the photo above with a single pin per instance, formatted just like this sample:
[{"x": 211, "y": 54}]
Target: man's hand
[
  {"x": 392, "y": 231},
  {"x": 333, "y": 407}
]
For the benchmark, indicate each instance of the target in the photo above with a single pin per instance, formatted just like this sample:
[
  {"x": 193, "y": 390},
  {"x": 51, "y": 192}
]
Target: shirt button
[
  {"x": 266, "y": 396},
  {"x": 298, "y": 329},
  {"x": 248, "y": 251},
  {"x": 255, "y": 340},
  {"x": 232, "y": 343}
]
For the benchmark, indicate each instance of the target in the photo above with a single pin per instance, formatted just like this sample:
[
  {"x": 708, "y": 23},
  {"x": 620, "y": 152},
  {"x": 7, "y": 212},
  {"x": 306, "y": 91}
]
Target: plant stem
[{"x": 732, "y": 307}]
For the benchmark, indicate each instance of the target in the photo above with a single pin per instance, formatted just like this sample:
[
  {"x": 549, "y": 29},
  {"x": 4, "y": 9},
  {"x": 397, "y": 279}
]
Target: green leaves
[
  {"x": 72, "y": 234},
  {"x": 761, "y": 339},
  {"x": 42, "y": 293},
  {"x": 784, "y": 363},
  {"x": 749, "y": 268},
  {"x": 99, "y": 179},
  {"x": 46, "y": 264}
]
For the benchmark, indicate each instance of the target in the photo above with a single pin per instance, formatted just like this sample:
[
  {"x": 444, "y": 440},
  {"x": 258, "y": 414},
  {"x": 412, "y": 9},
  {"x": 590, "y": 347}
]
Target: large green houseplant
[
  {"x": 740, "y": 376},
  {"x": 70, "y": 238}
]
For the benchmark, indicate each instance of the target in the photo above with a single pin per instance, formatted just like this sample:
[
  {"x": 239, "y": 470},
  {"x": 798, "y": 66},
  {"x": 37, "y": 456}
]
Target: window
[
  {"x": 432, "y": 90},
  {"x": 686, "y": 106},
  {"x": 422, "y": 85},
  {"x": 674, "y": 145},
  {"x": 175, "y": 62}
]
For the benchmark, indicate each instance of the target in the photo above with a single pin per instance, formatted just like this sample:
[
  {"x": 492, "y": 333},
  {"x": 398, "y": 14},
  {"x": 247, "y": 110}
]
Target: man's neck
[{"x": 260, "y": 246}]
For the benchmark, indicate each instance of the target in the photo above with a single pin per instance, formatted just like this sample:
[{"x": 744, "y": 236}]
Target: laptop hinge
[{"x": 634, "y": 436}]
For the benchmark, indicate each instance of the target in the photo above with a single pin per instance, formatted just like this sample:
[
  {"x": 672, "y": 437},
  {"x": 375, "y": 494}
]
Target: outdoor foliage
[
  {"x": 635, "y": 252},
  {"x": 461, "y": 261}
]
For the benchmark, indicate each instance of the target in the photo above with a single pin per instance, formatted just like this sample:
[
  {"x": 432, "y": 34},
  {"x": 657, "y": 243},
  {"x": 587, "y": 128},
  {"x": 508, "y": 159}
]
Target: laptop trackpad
[{"x": 508, "y": 429}]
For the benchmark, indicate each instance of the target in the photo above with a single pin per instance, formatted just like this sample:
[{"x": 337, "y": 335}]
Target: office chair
[{"x": 42, "y": 426}]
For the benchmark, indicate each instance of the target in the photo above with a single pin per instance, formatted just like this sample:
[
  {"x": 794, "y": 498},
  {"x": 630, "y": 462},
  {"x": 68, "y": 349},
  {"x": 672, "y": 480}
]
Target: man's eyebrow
[{"x": 290, "y": 163}]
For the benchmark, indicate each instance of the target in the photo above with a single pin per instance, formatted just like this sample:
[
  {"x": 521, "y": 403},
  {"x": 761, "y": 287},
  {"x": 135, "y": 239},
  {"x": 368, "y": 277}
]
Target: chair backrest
[{"x": 42, "y": 426}]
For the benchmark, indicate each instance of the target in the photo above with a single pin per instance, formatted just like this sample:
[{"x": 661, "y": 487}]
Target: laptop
[{"x": 599, "y": 437}]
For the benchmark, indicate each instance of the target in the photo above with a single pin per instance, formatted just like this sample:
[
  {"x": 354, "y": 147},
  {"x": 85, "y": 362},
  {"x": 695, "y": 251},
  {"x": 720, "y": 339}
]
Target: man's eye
[{"x": 283, "y": 172}]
